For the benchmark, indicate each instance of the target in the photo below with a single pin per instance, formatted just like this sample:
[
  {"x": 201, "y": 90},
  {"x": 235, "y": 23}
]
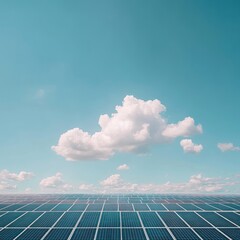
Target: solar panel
[
  {"x": 110, "y": 207},
  {"x": 26, "y": 219},
  {"x": 32, "y": 233},
  {"x": 215, "y": 219},
  {"x": 233, "y": 233},
  {"x": 110, "y": 219},
  {"x": 158, "y": 233},
  {"x": 9, "y": 217},
  {"x": 172, "y": 207},
  {"x": 108, "y": 234},
  {"x": 62, "y": 207},
  {"x": 47, "y": 219},
  {"x": 84, "y": 233},
  {"x": 69, "y": 219},
  {"x": 130, "y": 219},
  {"x": 189, "y": 207},
  {"x": 94, "y": 207},
  {"x": 150, "y": 219},
  {"x": 89, "y": 219},
  {"x": 124, "y": 216},
  {"x": 184, "y": 234},
  {"x": 78, "y": 207},
  {"x": 172, "y": 219},
  {"x": 156, "y": 207},
  {"x": 125, "y": 207},
  {"x": 193, "y": 219},
  {"x": 140, "y": 207},
  {"x": 58, "y": 234},
  {"x": 133, "y": 234},
  {"x": 210, "y": 234},
  {"x": 10, "y": 233},
  {"x": 233, "y": 217}
]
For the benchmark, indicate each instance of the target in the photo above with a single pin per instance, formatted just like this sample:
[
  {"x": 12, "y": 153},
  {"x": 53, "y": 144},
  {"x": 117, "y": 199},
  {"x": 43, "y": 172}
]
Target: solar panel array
[{"x": 119, "y": 217}]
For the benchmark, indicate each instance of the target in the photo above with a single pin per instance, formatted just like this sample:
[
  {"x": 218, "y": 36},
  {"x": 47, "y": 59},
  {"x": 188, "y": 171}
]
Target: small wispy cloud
[
  {"x": 224, "y": 147},
  {"x": 123, "y": 167},
  {"x": 9, "y": 180}
]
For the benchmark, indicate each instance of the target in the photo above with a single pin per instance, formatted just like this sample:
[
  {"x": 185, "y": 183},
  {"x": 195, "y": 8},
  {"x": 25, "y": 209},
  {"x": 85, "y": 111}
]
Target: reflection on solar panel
[{"x": 119, "y": 217}]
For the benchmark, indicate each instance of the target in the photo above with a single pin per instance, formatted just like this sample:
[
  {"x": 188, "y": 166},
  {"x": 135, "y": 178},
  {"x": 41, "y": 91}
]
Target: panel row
[
  {"x": 119, "y": 219},
  {"x": 120, "y": 234}
]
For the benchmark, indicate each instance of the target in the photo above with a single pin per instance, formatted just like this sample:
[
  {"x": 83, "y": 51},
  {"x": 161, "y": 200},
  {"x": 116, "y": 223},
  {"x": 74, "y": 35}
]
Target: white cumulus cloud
[
  {"x": 9, "y": 180},
  {"x": 227, "y": 147},
  {"x": 55, "y": 183},
  {"x": 189, "y": 147},
  {"x": 196, "y": 184},
  {"x": 123, "y": 167},
  {"x": 134, "y": 126}
]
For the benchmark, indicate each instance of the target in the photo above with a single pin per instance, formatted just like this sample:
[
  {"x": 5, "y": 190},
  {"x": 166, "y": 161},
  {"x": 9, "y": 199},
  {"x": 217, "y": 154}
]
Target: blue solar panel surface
[{"x": 119, "y": 217}]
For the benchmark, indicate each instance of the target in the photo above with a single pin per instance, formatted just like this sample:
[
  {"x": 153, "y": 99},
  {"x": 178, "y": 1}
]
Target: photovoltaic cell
[
  {"x": 110, "y": 219},
  {"x": 32, "y": 234},
  {"x": 108, "y": 234},
  {"x": 133, "y": 234},
  {"x": 150, "y": 219},
  {"x": 130, "y": 219},
  {"x": 84, "y": 233},
  {"x": 158, "y": 233},
  {"x": 13, "y": 207},
  {"x": 184, "y": 234},
  {"x": 210, "y": 234}
]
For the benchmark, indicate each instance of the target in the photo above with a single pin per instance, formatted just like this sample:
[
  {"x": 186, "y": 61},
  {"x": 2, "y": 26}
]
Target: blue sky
[{"x": 63, "y": 64}]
